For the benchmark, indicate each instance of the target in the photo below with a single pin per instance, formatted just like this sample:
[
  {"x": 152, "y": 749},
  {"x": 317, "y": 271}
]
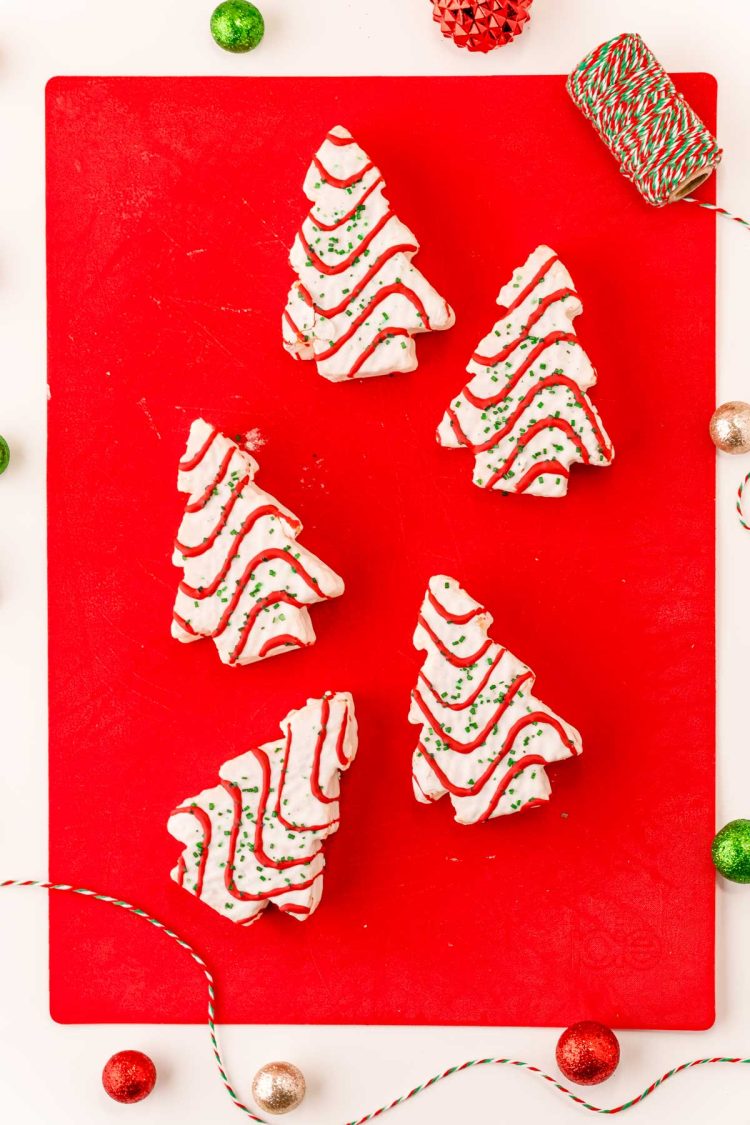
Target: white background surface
[{"x": 51, "y": 1073}]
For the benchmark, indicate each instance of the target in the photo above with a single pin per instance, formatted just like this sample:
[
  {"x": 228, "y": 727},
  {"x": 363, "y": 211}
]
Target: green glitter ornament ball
[
  {"x": 237, "y": 25},
  {"x": 730, "y": 851},
  {"x": 4, "y": 454}
]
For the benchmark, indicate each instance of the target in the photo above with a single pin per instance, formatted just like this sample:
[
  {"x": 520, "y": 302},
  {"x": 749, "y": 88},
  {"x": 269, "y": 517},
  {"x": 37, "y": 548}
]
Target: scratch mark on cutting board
[
  {"x": 210, "y": 305},
  {"x": 273, "y": 233},
  {"x": 201, "y": 327},
  {"x": 149, "y": 416}
]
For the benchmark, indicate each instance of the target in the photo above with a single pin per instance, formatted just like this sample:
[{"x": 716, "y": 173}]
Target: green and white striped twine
[{"x": 518, "y": 1063}]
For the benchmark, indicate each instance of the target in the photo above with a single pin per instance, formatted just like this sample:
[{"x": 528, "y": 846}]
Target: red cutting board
[{"x": 171, "y": 206}]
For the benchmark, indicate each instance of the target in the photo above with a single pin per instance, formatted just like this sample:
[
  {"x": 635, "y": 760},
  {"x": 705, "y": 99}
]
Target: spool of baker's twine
[
  {"x": 518, "y": 1064},
  {"x": 659, "y": 141},
  {"x": 657, "y": 138}
]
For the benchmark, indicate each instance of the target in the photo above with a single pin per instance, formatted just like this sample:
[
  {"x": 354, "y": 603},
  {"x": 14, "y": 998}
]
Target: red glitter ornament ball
[
  {"x": 129, "y": 1076},
  {"x": 481, "y": 25},
  {"x": 588, "y": 1053}
]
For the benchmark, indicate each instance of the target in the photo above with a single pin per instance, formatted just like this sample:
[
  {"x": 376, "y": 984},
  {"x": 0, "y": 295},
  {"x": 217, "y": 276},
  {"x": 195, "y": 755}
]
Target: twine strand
[
  {"x": 183, "y": 945},
  {"x": 741, "y": 503},
  {"x": 417, "y": 1090},
  {"x": 579, "y": 1101},
  {"x": 720, "y": 211}
]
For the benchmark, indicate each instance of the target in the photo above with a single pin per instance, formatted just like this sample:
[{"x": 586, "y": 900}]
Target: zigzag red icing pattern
[
  {"x": 525, "y": 413},
  {"x": 359, "y": 301},
  {"x": 485, "y": 737},
  {"x": 247, "y": 581},
  {"x": 257, "y": 837}
]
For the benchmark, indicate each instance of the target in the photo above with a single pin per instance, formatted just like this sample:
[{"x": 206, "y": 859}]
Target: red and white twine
[
  {"x": 741, "y": 502},
  {"x": 413, "y": 1093}
]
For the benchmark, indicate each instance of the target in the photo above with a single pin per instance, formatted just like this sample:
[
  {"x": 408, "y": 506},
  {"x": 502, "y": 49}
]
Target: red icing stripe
[
  {"x": 259, "y": 852},
  {"x": 302, "y": 337},
  {"x": 382, "y": 336},
  {"x": 536, "y": 279},
  {"x": 533, "y": 803},
  {"x": 196, "y": 505},
  {"x": 525, "y": 438},
  {"x": 199, "y": 593},
  {"x": 284, "y": 640},
  {"x": 201, "y": 548},
  {"x": 246, "y": 896},
  {"x": 282, "y": 781},
  {"x": 294, "y": 908},
  {"x": 456, "y": 661},
  {"x": 334, "y": 181},
  {"x": 336, "y": 139},
  {"x": 315, "y": 786},
  {"x": 382, "y": 295},
  {"x": 453, "y": 618},
  {"x": 247, "y": 922},
  {"x": 340, "y": 740},
  {"x": 184, "y": 624},
  {"x": 538, "y": 350},
  {"x": 261, "y": 557},
  {"x": 523, "y": 764},
  {"x": 474, "y": 695},
  {"x": 537, "y": 470},
  {"x": 471, "y": 791},
  {"x": 415, "y": 781},
  {"x": 186, "y": 466},
  {"x": 527, "y": 400},
  {"x": 252, "y": 617},
  {"x": 348, "y": 262},
  {"x": 327, "y": 227},
  {"x": 525, "y": 331},
  {"x": 204, "y": 821},
  {"x": 468, "y": 747},
  {"x": 350, "y": 298}
]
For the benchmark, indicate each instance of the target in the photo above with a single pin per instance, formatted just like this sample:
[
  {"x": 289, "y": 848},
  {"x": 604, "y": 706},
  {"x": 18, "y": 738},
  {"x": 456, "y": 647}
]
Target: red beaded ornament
[
  {"x": 481, "y": 25},
  {"x": 588, "y": 1053},
  {"x": 129, "y": 1076}
]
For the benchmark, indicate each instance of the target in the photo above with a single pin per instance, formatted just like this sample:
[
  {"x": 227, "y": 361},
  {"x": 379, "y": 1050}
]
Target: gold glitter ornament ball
[
  {"x": 730, "y": 427},
  {"x": 278, "y": 1087}
]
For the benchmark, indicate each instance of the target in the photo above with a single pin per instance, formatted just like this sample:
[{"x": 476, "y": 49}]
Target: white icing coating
[
  {"x": 359, "y": 320},
  {"x": 247, "y": 581},
  {"x": 473, "y": 700},
  {"x": 526, "y": 398},
  {"x": 257, "y": 838}
]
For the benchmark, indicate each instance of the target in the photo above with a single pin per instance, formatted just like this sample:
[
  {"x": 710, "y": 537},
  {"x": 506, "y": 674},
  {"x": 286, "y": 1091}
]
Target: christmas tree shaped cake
[
  {"x": 525, "y": 413},
  {"x": 247, "y": 581},
  {"x": 257, "y": 837},
  {"x": 485, "y": 737},
  {"x": 359, "y": 301}
]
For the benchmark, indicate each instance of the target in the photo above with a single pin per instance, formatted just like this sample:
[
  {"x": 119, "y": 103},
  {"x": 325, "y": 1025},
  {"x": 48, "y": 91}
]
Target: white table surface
[{"x": 48, "y": 1072}]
